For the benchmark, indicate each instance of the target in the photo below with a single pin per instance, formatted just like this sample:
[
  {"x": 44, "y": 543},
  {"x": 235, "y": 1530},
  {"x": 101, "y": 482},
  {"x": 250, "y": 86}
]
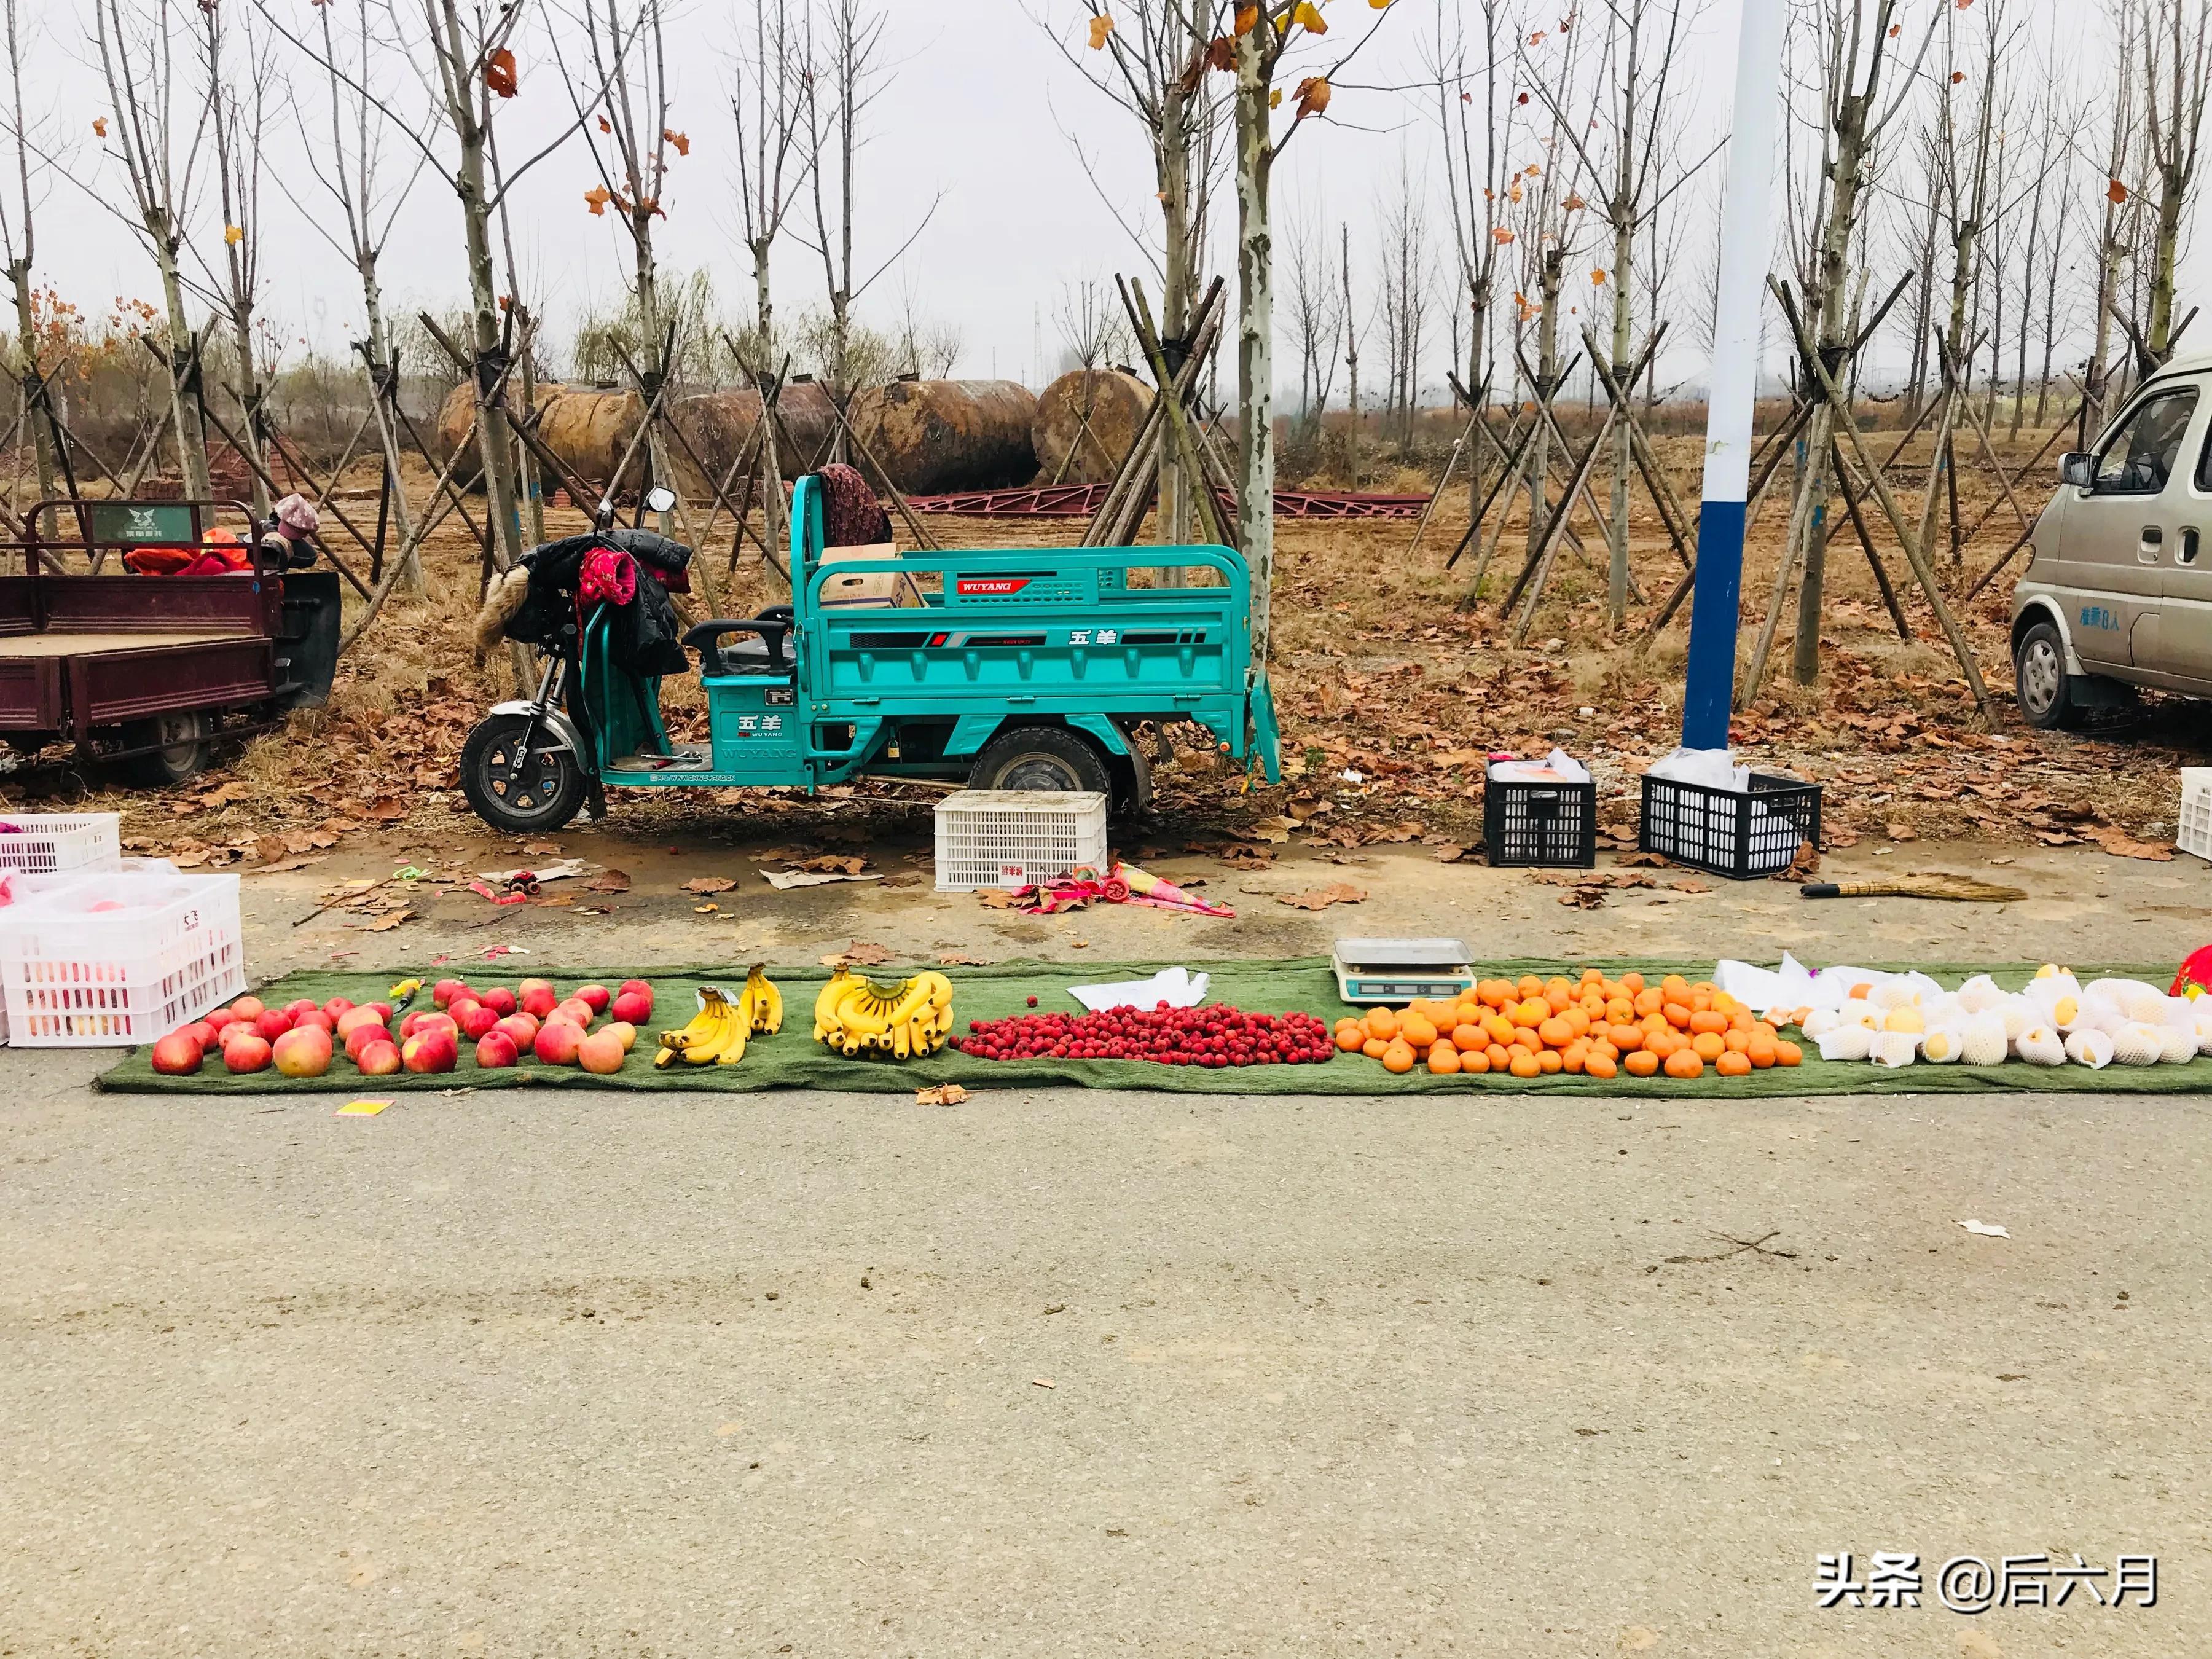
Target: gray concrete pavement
[{"x": 580, "y": 1375}]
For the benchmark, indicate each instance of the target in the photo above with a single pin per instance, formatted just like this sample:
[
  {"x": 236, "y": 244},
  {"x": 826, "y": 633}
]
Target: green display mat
[{"x": 791, "y": 1059}]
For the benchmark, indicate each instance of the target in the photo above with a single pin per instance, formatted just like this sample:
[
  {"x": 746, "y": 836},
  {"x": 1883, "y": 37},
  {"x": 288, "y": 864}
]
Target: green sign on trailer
[{"x": 139, "y": 523}]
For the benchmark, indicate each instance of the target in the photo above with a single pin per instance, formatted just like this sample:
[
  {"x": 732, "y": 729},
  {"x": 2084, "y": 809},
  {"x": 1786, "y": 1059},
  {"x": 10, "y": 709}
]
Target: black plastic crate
[
  {"x": 1739, "y": 834},
  {"x": 1552, "y": 825}
]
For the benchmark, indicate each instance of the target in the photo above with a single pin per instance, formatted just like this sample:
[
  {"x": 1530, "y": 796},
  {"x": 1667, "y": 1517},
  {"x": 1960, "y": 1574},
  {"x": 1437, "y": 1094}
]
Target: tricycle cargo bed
[{"x": 1038, "y": 630}]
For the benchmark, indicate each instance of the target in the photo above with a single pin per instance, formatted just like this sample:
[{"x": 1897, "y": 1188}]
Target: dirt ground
[{"x": 1377, "y": 671}]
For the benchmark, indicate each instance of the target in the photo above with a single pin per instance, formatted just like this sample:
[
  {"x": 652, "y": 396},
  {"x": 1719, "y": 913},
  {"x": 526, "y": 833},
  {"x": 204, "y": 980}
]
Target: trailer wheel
[
  {"x": 1041, "y": 757},
  {"x": 184, "y": 752},
  {"x": 543, "y": 793}
]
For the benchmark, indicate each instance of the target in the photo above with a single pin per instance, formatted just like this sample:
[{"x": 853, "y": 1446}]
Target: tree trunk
[
  {"x": 1255, "y": 331},
  {"x": 1351, "y": 368},
  {"x": 2172, "y": 191},
  {"x": 1552, "y": 279},
  {"x": 1174, "y": 522},
  {"x": 1623, "y": 257},
  {"x": 25, "y": 366},
  {"x": 764, "y": 312},
  {"x": 494, "y": 437},
  {"x": 184, "y": 405}
]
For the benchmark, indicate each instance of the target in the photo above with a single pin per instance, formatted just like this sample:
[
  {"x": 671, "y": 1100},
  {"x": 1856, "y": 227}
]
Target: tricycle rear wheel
[
  {"x": 1041, "y": 757},
  {"x": 183, "y": 755},
  {"x": 520, "y": 792}
]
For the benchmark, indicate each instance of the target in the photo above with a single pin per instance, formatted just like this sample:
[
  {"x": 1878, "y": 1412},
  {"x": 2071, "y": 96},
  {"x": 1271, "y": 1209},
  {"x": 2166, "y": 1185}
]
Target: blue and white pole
[{"x": 1747, "y": 242}]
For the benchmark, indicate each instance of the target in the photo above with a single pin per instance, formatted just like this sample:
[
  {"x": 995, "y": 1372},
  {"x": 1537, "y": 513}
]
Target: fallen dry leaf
[
  {"x": 1693, "y": 885},
  {"x": 866, "y": 954},
  {"x": 961, "y": 959},
  {"x": 384, "y": 924},
  {"x": 945, "y": 1094},
  {"x": 2118, "y": 842},
  {"x": 385, "y": 809},
  {"x": 1242, "y": 856},
  {"x": 1900, "y": 832},
  {"x": 1319, "y": 898},
  {"x": 829, "y": 865},
  {"x": 706, "y": 909},
  {"x": 996, "y": 898},
  {"x": 1450, "y": 853},
  {"x": 542, "y": 849},
  {"x": 708, "y": 885},
  {"x": 609, "y": 881}
]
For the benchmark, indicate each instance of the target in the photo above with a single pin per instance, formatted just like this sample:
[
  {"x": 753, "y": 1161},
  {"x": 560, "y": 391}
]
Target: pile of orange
[{"x": 1598, "y": 1028}]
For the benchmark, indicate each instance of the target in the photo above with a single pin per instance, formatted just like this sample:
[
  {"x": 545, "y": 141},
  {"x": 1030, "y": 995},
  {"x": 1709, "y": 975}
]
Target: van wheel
[
  {"x": 2048, "y": 696},
  {"x": 1041, "y": 757}
]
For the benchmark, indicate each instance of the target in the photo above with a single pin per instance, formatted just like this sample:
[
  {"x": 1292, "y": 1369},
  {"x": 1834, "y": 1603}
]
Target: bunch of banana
[
  {"x": 716, "y": 1034},
  {"x": 857, "y": 1016},
  {"x": 760, "y": 1006}
]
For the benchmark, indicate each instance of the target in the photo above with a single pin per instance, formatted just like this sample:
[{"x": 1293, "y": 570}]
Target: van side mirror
[
  {"x": 659, "y": 499},
  {"x": 2078, "y": 469}
]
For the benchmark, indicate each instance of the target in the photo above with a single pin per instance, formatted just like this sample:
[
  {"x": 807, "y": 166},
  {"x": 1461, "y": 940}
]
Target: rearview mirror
[
  {"x": 659, "y": 499},
  {"x": 2077, "y": 469}
]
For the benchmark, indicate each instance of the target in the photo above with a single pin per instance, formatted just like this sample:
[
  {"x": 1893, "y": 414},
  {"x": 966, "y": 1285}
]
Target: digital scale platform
[{"x": 1399, "y": 970}]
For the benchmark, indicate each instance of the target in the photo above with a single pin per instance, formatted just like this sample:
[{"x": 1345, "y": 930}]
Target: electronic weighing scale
[{"x": 1399, "y": 970}]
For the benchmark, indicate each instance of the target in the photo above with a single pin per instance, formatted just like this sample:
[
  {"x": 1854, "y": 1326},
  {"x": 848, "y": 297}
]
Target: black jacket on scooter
[{"x": 646, "y": 637}]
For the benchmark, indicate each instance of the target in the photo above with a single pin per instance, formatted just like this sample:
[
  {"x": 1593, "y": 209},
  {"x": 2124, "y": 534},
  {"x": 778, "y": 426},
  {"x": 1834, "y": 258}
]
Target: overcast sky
[{"x": 979, "y": 114}]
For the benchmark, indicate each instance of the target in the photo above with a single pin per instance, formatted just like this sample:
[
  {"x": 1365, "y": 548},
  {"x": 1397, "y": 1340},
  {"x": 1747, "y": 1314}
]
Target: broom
[{"x": 1934, "y": 884}]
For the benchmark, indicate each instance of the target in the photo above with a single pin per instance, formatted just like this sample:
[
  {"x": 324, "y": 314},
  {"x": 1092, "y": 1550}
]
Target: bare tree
[
  {"x": 238, "y": 107},
  {"x": 2116, "y": 229},
  {"x": 1631, "y": 165},
  {"x": 1315, "y": 318},
  {"x": 19, "y": 248},
  {"x": 1406, "y": 295},
  {"x": 847, "y": 77},
  {"x": 159, "y": 156},
  {"x": 1149, "y": 56},
  {"x": 1090, "y": 325},
  {"x": 2177, "y": 71},
  {"x": 769, "y": 107},
  {"x": 346, "y": 154},
  {"x": 1264, "y": 36},
  {"x": 1476, "y": 191},
  {"x": 1862, "y": 75}
]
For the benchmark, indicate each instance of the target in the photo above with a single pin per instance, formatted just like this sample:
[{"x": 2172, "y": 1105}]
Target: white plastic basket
[
  {"x": 119, "y": 958},
  {"x": 2193, "y": 831},
  {"x": 48, "y": 843},
  {"x": 1017, "y": 837}
]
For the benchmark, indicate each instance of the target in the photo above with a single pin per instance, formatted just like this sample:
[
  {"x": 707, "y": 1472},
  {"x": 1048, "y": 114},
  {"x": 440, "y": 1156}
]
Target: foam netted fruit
[
  {"x": 2136, "y": 1044},
  {"x": 2039, "y": 1045},
  {"x": 1942, "y": 1046},
  {"x": 1894, "y": 1049},
  {"x": 2091, "y": 1048},
  {"x": 1982, "y": 1042},
  {"x": 1847, "y": 1042}
]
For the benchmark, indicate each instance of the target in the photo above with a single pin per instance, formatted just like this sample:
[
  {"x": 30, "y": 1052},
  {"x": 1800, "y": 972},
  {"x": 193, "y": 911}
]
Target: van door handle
[
  {"x": 2187, "y": 552},
  {"x": 2152, "y": 547}
]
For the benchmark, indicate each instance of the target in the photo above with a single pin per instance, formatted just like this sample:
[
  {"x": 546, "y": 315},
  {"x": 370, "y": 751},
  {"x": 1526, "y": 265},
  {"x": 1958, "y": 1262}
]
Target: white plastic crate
[
  {"x": 1017, "y": 837},
  {"x": 48, "y": 843},
  {"x": 119, "y": 958},
  {"x": 2193, "y": 831}
]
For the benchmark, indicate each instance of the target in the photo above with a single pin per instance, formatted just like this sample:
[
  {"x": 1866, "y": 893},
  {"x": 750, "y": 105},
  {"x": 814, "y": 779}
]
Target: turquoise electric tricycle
[{"x": 1027, "y": 669}]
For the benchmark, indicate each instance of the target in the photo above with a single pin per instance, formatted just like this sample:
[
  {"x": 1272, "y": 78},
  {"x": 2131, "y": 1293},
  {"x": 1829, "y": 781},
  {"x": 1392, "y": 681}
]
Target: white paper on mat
[{"x": 1176, "y": 986}]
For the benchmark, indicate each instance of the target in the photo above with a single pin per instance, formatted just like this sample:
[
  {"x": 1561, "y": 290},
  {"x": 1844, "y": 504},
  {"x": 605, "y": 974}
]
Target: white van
[{"x": 2119, "y": 590}]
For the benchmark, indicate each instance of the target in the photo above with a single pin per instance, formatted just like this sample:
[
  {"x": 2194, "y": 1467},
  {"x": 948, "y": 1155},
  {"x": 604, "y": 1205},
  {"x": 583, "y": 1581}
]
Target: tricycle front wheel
[{"x": 519, "y": 777}]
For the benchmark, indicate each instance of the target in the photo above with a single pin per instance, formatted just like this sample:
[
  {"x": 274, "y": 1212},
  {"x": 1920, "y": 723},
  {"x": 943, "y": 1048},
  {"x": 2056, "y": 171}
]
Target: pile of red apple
[{"x": 533, "y": 1021}]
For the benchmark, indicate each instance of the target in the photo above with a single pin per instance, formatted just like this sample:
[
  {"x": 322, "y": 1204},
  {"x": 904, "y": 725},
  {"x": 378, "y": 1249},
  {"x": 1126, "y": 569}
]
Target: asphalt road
[{"x": 576, "y": 1375}]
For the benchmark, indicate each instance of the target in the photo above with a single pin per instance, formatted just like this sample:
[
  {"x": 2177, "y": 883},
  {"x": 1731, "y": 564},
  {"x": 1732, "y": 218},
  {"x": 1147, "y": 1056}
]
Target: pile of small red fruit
[
  {"x": 1216, "y": 1036},
  {"x": 302, "y": 1038}
]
